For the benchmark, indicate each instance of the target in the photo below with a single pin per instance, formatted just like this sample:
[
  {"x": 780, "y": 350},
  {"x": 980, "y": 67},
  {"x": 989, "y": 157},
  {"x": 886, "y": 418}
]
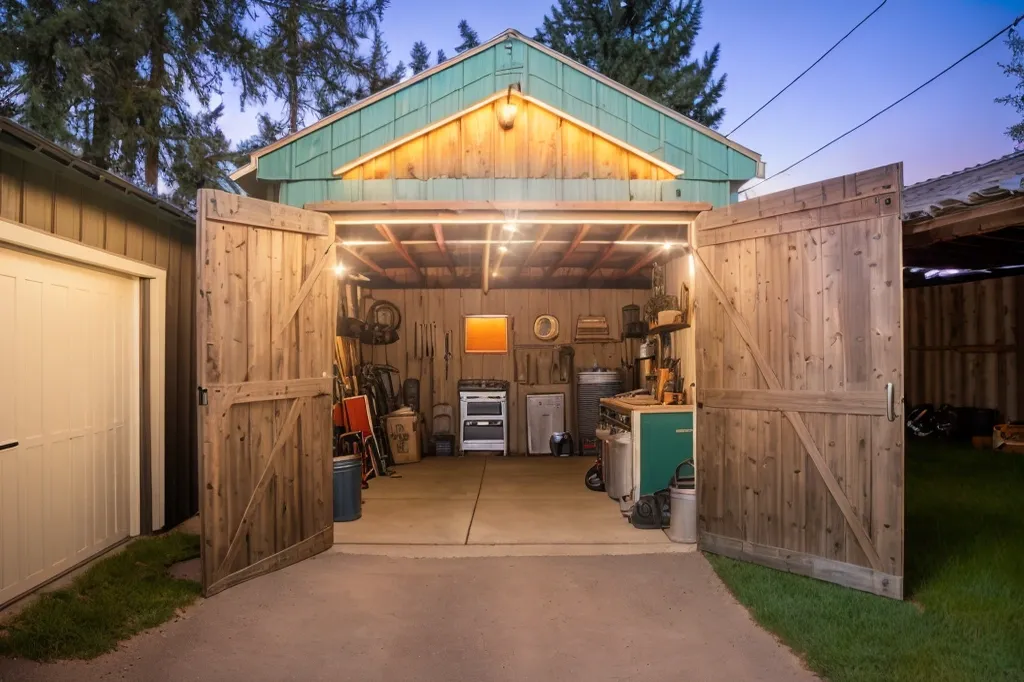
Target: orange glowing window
[{"x": 486, "y": 333}]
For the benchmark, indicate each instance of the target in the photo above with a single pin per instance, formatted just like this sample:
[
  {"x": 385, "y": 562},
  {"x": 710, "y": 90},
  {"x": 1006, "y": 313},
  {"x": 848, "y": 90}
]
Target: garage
[
  {"x": 91, "y": 309},
  {"x": 412, "y": 259},
  {"x": 67, "y": 418}
]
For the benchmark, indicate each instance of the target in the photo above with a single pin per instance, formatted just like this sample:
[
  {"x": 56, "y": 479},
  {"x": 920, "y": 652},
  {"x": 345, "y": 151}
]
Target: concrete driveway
[{"x": 346, "y": 617}]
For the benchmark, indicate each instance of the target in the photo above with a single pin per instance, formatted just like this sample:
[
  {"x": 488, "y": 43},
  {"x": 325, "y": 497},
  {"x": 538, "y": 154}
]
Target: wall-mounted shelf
[{"x": 667, "y": 328}]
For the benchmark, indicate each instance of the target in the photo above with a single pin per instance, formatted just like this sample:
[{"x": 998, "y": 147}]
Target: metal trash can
[
  {"x": 683, "y": 502},
  {"x": 348, "y": 487},
  {"x": 618, "y": 478}
]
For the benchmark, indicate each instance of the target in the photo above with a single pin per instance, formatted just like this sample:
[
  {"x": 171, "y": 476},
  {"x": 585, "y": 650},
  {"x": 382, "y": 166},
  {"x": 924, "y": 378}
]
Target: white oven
[{"x": 483, "y": 420}]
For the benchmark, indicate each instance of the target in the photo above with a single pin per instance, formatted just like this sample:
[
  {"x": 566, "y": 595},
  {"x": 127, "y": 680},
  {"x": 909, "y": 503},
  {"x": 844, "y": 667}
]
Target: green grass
[
  {"x": 114, "y": 599},
  {"x": 964, "y": 618}
]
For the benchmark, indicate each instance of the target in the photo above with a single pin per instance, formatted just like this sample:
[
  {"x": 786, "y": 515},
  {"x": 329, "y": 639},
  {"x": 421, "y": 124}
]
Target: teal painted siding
[{"x": 305, "y": 166}]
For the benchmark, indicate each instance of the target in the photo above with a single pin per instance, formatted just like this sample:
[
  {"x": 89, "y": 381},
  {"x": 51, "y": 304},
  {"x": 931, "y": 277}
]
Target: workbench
[{"x": 662, "y": 438}]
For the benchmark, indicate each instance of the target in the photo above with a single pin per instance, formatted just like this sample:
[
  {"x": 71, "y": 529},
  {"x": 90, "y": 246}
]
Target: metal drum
[{"x": 591, "y": 386}]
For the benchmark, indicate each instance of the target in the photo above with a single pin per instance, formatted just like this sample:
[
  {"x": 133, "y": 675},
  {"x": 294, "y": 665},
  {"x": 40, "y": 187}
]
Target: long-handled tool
[{"x": 447, "y": 351}]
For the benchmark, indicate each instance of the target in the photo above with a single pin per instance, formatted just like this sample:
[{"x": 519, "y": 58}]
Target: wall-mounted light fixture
[{"x": 507, "y": 110}]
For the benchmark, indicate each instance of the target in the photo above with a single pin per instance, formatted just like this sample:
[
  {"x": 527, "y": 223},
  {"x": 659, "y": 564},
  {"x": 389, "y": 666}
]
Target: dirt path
[{"x": 655, "y": 617}]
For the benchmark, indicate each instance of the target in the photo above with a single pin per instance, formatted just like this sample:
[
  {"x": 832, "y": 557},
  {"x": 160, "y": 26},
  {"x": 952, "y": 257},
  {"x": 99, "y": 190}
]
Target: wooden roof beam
[
  {"x": 386, "y": 232},
  {"x": 624, "y": 235},
  {"x": 536, "y": 245},
  {"x": 643, "y": 261},
  {"x": 581, "y": 232},
  {"x": 366, "y": 260},
  {"x": 443, "y": 248}
]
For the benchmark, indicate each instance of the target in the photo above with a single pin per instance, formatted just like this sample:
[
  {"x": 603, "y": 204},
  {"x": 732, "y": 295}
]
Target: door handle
[
  {"x": 890, "y": 401},
  {"x": 8, "y": 445},
  {"x": 684, "y": 430}
]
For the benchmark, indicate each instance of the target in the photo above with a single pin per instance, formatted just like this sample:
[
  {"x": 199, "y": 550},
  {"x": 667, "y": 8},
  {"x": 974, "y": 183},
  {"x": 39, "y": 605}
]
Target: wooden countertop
[{"x": 635, "y": 405}]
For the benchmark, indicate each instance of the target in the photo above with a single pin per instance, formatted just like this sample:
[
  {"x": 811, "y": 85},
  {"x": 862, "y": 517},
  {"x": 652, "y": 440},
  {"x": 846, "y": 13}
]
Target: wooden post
[{"x": 487, "y": 260}]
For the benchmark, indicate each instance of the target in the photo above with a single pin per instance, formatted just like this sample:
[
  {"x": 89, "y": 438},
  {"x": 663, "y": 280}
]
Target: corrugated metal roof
[
  {"x": 37, "y": 143},
  {"x": 991, "y": 181}
]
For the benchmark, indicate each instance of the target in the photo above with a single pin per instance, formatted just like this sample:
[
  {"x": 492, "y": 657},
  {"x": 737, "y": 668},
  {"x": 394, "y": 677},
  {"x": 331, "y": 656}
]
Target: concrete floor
[
  {"x": 487, "y": 500},
  {"x": 338, "y": 616}
]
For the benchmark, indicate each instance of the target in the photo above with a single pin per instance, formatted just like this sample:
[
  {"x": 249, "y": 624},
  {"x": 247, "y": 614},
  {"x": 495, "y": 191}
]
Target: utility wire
[
  {"x": 928, "y": 82},
  {"x": 804, "y": 72}
]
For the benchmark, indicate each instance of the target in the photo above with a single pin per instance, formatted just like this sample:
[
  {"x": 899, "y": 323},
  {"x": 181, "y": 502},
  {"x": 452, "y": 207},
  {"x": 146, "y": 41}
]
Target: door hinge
[{"x": 204, "y": 398}]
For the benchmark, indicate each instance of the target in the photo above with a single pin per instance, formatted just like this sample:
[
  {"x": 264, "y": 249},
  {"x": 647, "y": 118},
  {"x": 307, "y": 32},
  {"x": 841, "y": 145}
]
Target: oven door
[
  {"x": 482, "y": 408},
  {"x": 483, "y": 431}
]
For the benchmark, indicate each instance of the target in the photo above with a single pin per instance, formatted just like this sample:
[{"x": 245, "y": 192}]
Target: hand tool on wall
[{"x": 447, "y": 351}]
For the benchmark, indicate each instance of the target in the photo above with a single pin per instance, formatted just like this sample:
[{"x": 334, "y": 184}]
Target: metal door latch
[
  {"x": 204, "y": 398},
  {"x": 9, "y": 445}
]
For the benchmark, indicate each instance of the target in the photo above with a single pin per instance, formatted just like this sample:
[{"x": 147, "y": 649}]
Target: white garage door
[{"x": 68, "y": 349}]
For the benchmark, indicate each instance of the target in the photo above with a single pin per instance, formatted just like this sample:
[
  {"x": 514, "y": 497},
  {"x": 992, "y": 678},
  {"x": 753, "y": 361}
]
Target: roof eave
[{"x": 507, "y": 33}]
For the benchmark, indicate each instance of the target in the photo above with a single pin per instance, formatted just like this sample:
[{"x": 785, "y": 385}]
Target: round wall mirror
[{"x": 545, "y": 327}]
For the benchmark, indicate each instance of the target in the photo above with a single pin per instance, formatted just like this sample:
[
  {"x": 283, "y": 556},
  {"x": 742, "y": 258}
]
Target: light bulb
[
  {"x": 503, "y": 248},
  {"x": 509, "y": 227}
]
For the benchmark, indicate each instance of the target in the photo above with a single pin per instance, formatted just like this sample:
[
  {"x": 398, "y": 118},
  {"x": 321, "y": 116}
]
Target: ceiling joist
[
  {"x": 624, "y": 235},
  {"x": 386, "y": 232},
  {"x": 443, "y": 248},
  {"x": 581, "y": 232}
]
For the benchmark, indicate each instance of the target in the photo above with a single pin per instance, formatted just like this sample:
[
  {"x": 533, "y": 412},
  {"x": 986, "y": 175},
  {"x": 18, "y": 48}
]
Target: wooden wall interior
[
  {"x": 679, "y": 272},
  {"x": 45, "y": 195},
  {"x": 814, "y": 275},
  {"x": 447, "y": 307},
  {"x": 540, "y": 145},
  {"x": 963, "y": 344}
]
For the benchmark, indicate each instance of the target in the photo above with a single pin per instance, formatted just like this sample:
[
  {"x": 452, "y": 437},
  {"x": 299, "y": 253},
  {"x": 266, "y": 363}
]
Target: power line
[
  {"x": 831, "y": 142},
  {"x": 804, "y": 72}
]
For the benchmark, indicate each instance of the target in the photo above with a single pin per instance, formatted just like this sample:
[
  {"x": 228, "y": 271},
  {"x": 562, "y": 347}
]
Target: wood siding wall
[
  {"x": 447, "y": 307},
  {"x": 42, "y": 194},
  {"x": 963, "y": 344},
  {"x": 540, "y": 145}
]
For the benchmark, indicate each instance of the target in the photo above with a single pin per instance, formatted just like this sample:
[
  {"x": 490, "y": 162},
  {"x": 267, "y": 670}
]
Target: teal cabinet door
[{"x": 666, "y": 440}]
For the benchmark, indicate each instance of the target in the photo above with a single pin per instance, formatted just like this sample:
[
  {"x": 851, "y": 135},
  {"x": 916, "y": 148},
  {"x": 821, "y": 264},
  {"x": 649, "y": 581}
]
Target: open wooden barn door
[
  {"x": 799, "y": 307},
  {"x": 265, "y": 333}
]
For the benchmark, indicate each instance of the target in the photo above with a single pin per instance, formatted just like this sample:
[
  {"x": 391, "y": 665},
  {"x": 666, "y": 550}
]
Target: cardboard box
[{"x": 404, "y": 436}]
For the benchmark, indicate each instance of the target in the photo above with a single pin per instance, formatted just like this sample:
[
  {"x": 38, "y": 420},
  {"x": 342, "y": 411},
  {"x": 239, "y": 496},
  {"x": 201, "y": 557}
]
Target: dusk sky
[{"x": 952, "y": 124}]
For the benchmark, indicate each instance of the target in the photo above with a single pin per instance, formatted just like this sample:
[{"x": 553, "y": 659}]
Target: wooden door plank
[
  {"x": 821, "y": 402},
  {"x": 794, "y": 418},
  {"x": 307, "y": 286},
  {"x": 276, "y": 389},
  {"x": 230, "y": 208},
  {"x": 235, "y": 546},
  {"x": 259, "y": 314}
]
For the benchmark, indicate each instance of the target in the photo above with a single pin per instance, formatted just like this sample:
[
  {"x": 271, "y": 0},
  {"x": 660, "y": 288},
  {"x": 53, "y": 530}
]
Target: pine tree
[
  {"x": 112, "y": 79},
  {"x": 374, "y": 72},
  {"x": 312, "y": 52},
  {"x": 469, "y": 37},
  {"x": 268, "y": 132},
  {"x": 646, "y": 45},
  {"x": 1015, "y": 69},
  {"x": 419, "y": 57},
  {"x": 198, "y": 155},
  {"x": 441, "y": 56}
]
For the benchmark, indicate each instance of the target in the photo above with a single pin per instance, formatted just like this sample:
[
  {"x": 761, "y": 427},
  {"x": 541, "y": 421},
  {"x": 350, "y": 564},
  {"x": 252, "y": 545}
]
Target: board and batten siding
[
  {"x": 304, "y": 166},
  {"x": 963, "y": 344},
  {"x": 446, "y": 307},
  {"x": 45, "y": 195}
]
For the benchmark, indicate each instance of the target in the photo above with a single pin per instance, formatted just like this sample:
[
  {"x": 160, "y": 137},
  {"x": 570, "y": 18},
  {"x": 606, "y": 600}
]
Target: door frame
[{"x": 148, "y": 316}]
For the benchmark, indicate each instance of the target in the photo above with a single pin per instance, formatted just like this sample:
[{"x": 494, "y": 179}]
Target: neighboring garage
[{"x": 95, "y": 362}]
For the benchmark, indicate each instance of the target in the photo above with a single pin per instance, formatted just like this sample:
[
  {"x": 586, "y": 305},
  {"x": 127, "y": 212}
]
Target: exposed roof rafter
[
  {"x": 386, "y": 232},
  {"x": 624, "y": 235},
  {"x": 581, "y": 232}
]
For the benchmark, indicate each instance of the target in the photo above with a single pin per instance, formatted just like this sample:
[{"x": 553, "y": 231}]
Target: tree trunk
[
  {"x": 292, "y": 39},
  {"x": 157, "y": 75}
]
